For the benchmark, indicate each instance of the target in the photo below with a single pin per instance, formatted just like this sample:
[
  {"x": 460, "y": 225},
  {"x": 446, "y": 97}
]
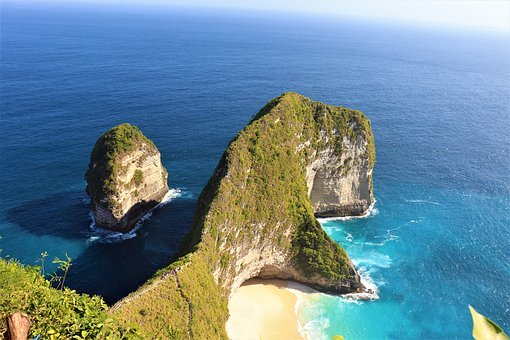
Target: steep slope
[
  {"x": 256, "y": 217},
  {"x": 125, "y": 178},
  {"x": 54, "y": 313}
]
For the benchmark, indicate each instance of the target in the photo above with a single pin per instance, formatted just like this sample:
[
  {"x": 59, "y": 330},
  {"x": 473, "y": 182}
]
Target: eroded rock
[{"x": 125, "y": 178}]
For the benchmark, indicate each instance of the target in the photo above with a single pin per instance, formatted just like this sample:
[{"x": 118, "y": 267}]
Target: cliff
[
  {"x": 125, "y": 178},
  {"x": 256, "y": 217}
]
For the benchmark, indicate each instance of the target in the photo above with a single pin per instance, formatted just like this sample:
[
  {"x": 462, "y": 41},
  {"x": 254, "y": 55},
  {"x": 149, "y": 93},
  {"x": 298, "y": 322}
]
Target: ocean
[{"x": 437, "y": 239}]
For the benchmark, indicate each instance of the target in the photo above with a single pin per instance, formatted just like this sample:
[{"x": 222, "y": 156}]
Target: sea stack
[{"x": 125, "y": 178}]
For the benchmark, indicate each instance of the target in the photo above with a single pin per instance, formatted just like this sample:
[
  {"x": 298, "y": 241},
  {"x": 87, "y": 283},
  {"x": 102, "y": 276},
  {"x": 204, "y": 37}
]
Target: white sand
[{"x": 263, "y": 309}]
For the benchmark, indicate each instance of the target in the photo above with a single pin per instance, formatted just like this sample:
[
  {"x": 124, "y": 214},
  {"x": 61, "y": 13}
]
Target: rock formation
[
  {"x": 256, "y": 217},
  {"x": 125, "y": 178},
  {"x": 340, "y": 183}
]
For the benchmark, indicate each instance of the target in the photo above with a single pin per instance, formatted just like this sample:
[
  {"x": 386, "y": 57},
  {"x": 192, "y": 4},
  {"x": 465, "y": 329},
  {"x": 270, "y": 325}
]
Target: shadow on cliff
[{"x": 111, "y": 270}]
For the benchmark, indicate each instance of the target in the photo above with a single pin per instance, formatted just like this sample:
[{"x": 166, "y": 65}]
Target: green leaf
[{"x": 485, "y": 329}]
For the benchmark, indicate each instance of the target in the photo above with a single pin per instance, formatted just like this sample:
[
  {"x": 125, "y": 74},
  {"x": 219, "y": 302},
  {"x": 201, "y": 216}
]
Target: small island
[{"x": 125, "y": 178}]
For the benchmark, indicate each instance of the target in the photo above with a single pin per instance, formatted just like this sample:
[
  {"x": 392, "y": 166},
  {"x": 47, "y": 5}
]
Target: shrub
[{"x": 55, "y": 313}]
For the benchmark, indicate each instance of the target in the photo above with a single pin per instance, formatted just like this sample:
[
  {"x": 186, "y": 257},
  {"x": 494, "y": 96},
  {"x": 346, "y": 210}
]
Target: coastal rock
[
  {"x": 256, "y": 217},
  {"x": 335, "y": 147},
  {"x": 340, "y": 183},
  {"x": 125, "y": 178}
]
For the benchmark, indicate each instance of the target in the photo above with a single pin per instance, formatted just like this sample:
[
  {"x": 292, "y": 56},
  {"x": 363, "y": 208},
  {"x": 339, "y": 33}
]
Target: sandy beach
[{"x": 263, "y": 309}]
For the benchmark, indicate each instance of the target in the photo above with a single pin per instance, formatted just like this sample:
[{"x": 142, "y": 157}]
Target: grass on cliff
[
  {"x": 105, "y": 158},
  {"x": 266, "y": 183},
  {"x": 55, "y": 313},
  {"x": 179, "y": 302},
  {"x": 258, "y": 189}
]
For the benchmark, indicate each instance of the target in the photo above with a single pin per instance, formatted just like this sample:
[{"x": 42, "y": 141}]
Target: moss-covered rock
[
  {"x": 125, "y": 178},
  {"x": 256, "y": 217}
]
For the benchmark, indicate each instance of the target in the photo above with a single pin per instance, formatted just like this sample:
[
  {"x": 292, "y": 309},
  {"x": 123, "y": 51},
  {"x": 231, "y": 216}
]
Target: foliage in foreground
[
  {"x": 54, "y": 313},
  {"x": 484, "y": 328}
]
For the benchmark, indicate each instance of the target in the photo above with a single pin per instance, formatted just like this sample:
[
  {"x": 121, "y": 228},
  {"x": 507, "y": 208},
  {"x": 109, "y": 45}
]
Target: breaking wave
[
  {"x": 423, "y": 201},
  {"x": 101, "y": 235},
  {"x": 371, "y": 211}
]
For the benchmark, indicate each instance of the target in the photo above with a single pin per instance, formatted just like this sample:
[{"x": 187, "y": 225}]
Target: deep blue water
[{"x": 439, "y": 102}]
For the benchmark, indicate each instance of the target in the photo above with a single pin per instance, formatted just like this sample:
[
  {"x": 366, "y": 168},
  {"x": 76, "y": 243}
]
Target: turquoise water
[
  {"x": 426, "y": 252},
  {"x": 438, "y": 101}
]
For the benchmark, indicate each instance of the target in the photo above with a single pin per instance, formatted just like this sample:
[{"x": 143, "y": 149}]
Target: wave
[
  {"x": 316, "y": 329},
  {"x": 372, "y": 292},
  {"x": 101, "y": 235},
  {"x": 348, "y": 236},
  {"x": 371, "y": 211},
  {"x": 423, "y": 201},
  {"x": 315, "y": 301},
  {"x": 302, "y": 293},
  {"x": 373, "y": 259}
]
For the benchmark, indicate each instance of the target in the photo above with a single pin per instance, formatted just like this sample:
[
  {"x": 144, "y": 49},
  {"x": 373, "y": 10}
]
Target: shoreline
[{"x": 265, "y": 309}]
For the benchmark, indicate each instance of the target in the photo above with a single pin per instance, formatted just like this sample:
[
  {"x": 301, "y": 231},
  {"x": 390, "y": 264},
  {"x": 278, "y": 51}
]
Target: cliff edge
[
  {"x": 256, "y": 217},
  {"x": 125, "y": 178}
]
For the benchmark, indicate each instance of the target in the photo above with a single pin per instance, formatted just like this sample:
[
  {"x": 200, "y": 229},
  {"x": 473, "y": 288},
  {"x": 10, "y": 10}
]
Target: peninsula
[{"x": 256, "y": 217}]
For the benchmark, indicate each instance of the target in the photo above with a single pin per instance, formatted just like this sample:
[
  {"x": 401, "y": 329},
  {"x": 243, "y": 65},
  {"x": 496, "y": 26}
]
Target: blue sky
[{"x": 484, "y": 14}]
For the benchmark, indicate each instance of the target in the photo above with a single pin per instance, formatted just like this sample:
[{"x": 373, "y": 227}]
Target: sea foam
[
  {"x": 371, "y": 211},
  {"x": 101, "y": 235}
]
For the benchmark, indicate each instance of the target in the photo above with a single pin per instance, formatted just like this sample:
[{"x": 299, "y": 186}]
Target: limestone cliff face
[
  {"x": 256, "y": 217},
  {"x": 340, "y": 183},
  {"x": 333, "y": 149},
  {"x": 125, "y": 178}
]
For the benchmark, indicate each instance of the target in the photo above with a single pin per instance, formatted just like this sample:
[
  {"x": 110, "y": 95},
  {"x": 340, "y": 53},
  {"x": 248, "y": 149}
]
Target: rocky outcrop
[
  {"x": 340, "y": 184},
  {"x": 125, "y": 178},
  {"x": 256, "y": 216},
  {"x": 333, "y": 150}
]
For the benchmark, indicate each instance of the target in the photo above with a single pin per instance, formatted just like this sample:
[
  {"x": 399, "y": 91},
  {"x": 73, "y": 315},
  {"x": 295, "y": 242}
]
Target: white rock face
[
  {"x": 141, "y": 183},
  {"x": 340, "y": 184}
]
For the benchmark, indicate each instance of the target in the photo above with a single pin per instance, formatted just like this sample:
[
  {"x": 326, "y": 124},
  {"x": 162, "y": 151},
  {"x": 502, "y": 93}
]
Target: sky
[{"x": 478, "y": 14}]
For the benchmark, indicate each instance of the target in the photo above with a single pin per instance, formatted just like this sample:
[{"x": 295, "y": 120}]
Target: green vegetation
[
  {"x": 179, "y": 302},
  {"x": 55, "y": 313},
  {"x": 484, "y": 328},
  {"x": 138, "y": 177},
  {"x": 266, "y": 181},
  {"x": 258, "y": 188},
  {"x": 105, "y": 159}
]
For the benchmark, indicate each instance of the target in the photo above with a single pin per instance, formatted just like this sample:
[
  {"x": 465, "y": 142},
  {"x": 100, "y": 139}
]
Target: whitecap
[
  {"x": 423, "y": 201},
  {"x": 371, "y": 211},
  {"x": 372, "y": 292},
  {"x": 101, "y": 235},
  {"x": 316, "y": 329},
  {"x": 171, "y": 194},
  {"x": 348, "y": 236},
  {"x": 373, "y": 259}
]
